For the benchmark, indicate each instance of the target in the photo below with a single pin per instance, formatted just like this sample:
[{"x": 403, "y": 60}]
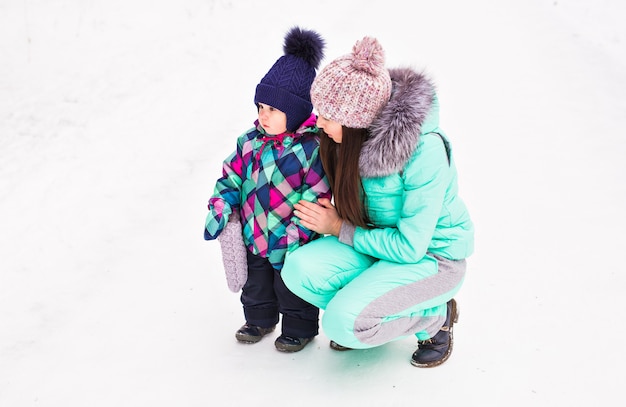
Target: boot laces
[{"x": 431, "y": 341}]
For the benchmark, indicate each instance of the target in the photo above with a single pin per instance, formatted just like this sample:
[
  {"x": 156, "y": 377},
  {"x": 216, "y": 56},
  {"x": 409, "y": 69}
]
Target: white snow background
[{"x": 115, "y": 117}]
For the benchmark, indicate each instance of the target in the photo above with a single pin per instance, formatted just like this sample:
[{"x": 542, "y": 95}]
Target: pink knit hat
[{"x": 353, "y": 88}]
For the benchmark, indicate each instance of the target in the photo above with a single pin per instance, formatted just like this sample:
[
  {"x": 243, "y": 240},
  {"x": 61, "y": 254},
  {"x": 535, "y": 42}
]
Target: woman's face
[
  {"x": 331, "y": 128},
  {"x": 273, "y": 120}
]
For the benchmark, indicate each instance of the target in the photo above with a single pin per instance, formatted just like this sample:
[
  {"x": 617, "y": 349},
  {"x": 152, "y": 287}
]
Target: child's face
[
  {"x": 273, "y": 120},
  {"x": 332, "y": 128}
]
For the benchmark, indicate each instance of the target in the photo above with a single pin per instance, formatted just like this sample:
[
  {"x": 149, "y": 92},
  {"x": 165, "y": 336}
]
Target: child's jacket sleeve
[{"x": 226, "y": 195}]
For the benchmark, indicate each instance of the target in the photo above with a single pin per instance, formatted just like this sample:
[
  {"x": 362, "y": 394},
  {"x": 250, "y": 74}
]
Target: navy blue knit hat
[{"x": 287, "y": 85}]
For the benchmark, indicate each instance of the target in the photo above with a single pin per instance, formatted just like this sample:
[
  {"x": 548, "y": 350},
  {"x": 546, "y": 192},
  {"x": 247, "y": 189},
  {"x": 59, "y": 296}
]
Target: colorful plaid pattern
[{"x": 263, "y": 179}]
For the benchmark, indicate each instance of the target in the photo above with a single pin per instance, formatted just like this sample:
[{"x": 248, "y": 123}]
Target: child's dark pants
[{"x": 265, "y": 295}]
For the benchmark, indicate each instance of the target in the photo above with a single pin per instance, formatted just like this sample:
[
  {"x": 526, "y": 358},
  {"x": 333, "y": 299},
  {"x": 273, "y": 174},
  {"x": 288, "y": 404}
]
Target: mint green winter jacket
[{"x": 410, "y": 181}]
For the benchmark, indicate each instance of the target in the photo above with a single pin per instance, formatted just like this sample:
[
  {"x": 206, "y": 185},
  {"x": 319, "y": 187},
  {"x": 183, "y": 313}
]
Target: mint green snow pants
[{"x": 368, "y": 302}]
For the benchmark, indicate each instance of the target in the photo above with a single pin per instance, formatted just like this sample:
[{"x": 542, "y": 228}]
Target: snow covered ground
[{"x": 114, "y": 119}]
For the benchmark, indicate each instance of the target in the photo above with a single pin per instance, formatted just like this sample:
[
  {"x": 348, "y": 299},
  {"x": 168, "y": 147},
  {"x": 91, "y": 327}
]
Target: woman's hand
[{"x": 321, "y": 217}]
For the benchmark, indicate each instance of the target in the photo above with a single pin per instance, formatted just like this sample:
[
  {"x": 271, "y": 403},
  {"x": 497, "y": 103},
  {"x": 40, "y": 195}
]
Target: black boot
[
  {"x": 251, "y": 333},
  {"x": 436, "y": 350},
  {"x": 286, "y": 343},
  {"x": 335, "y": 346}
]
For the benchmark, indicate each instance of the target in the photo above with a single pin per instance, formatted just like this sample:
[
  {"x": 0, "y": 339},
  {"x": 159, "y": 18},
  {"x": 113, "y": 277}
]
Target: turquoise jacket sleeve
[{"x": 416, "y": 198}]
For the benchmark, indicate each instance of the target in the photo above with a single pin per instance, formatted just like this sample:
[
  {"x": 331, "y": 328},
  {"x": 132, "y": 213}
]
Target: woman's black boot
[{"x": 436, "y": 350}]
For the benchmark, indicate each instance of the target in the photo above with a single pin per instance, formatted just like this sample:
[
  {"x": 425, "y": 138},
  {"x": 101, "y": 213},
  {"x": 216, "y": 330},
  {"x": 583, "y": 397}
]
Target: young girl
[
  {"x": 275, "y": 165},
  {"x": 398, "y": 232}
]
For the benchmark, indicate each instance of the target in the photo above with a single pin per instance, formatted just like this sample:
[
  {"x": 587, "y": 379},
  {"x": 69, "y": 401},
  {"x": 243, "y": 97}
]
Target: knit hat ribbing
[
  {"x": 352, "y": 89},
  {"x": 287, "y": 85}
]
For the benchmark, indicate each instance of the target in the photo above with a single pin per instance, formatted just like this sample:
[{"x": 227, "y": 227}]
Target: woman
[{"x": 398, "y": 233}]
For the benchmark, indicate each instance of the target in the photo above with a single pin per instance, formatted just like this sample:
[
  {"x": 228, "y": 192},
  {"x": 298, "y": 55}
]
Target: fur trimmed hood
[{"x": 395, "y": 132}]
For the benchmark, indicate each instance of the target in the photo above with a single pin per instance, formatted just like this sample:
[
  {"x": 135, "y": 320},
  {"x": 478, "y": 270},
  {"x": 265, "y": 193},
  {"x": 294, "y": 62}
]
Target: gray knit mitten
[{"x": 234, "y": 253}]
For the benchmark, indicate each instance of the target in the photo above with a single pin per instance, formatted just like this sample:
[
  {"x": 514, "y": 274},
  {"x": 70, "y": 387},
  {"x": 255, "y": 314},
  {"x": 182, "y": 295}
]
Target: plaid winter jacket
[{"x": 262, "y": 180}]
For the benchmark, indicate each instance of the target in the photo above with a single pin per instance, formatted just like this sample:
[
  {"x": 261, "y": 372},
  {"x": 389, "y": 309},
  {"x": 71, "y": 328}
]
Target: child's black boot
[
  {"x": 286, "y": 343},
  {"x": 251, "y": 333}
]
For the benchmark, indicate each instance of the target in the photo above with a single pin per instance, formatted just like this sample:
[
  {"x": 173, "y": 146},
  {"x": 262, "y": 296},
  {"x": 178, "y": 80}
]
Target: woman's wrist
[{"x": 337, "y": 228}]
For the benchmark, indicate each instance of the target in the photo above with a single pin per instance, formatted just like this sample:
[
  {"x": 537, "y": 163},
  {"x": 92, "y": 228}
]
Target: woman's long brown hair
[{"x": 341, "y": 164}]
